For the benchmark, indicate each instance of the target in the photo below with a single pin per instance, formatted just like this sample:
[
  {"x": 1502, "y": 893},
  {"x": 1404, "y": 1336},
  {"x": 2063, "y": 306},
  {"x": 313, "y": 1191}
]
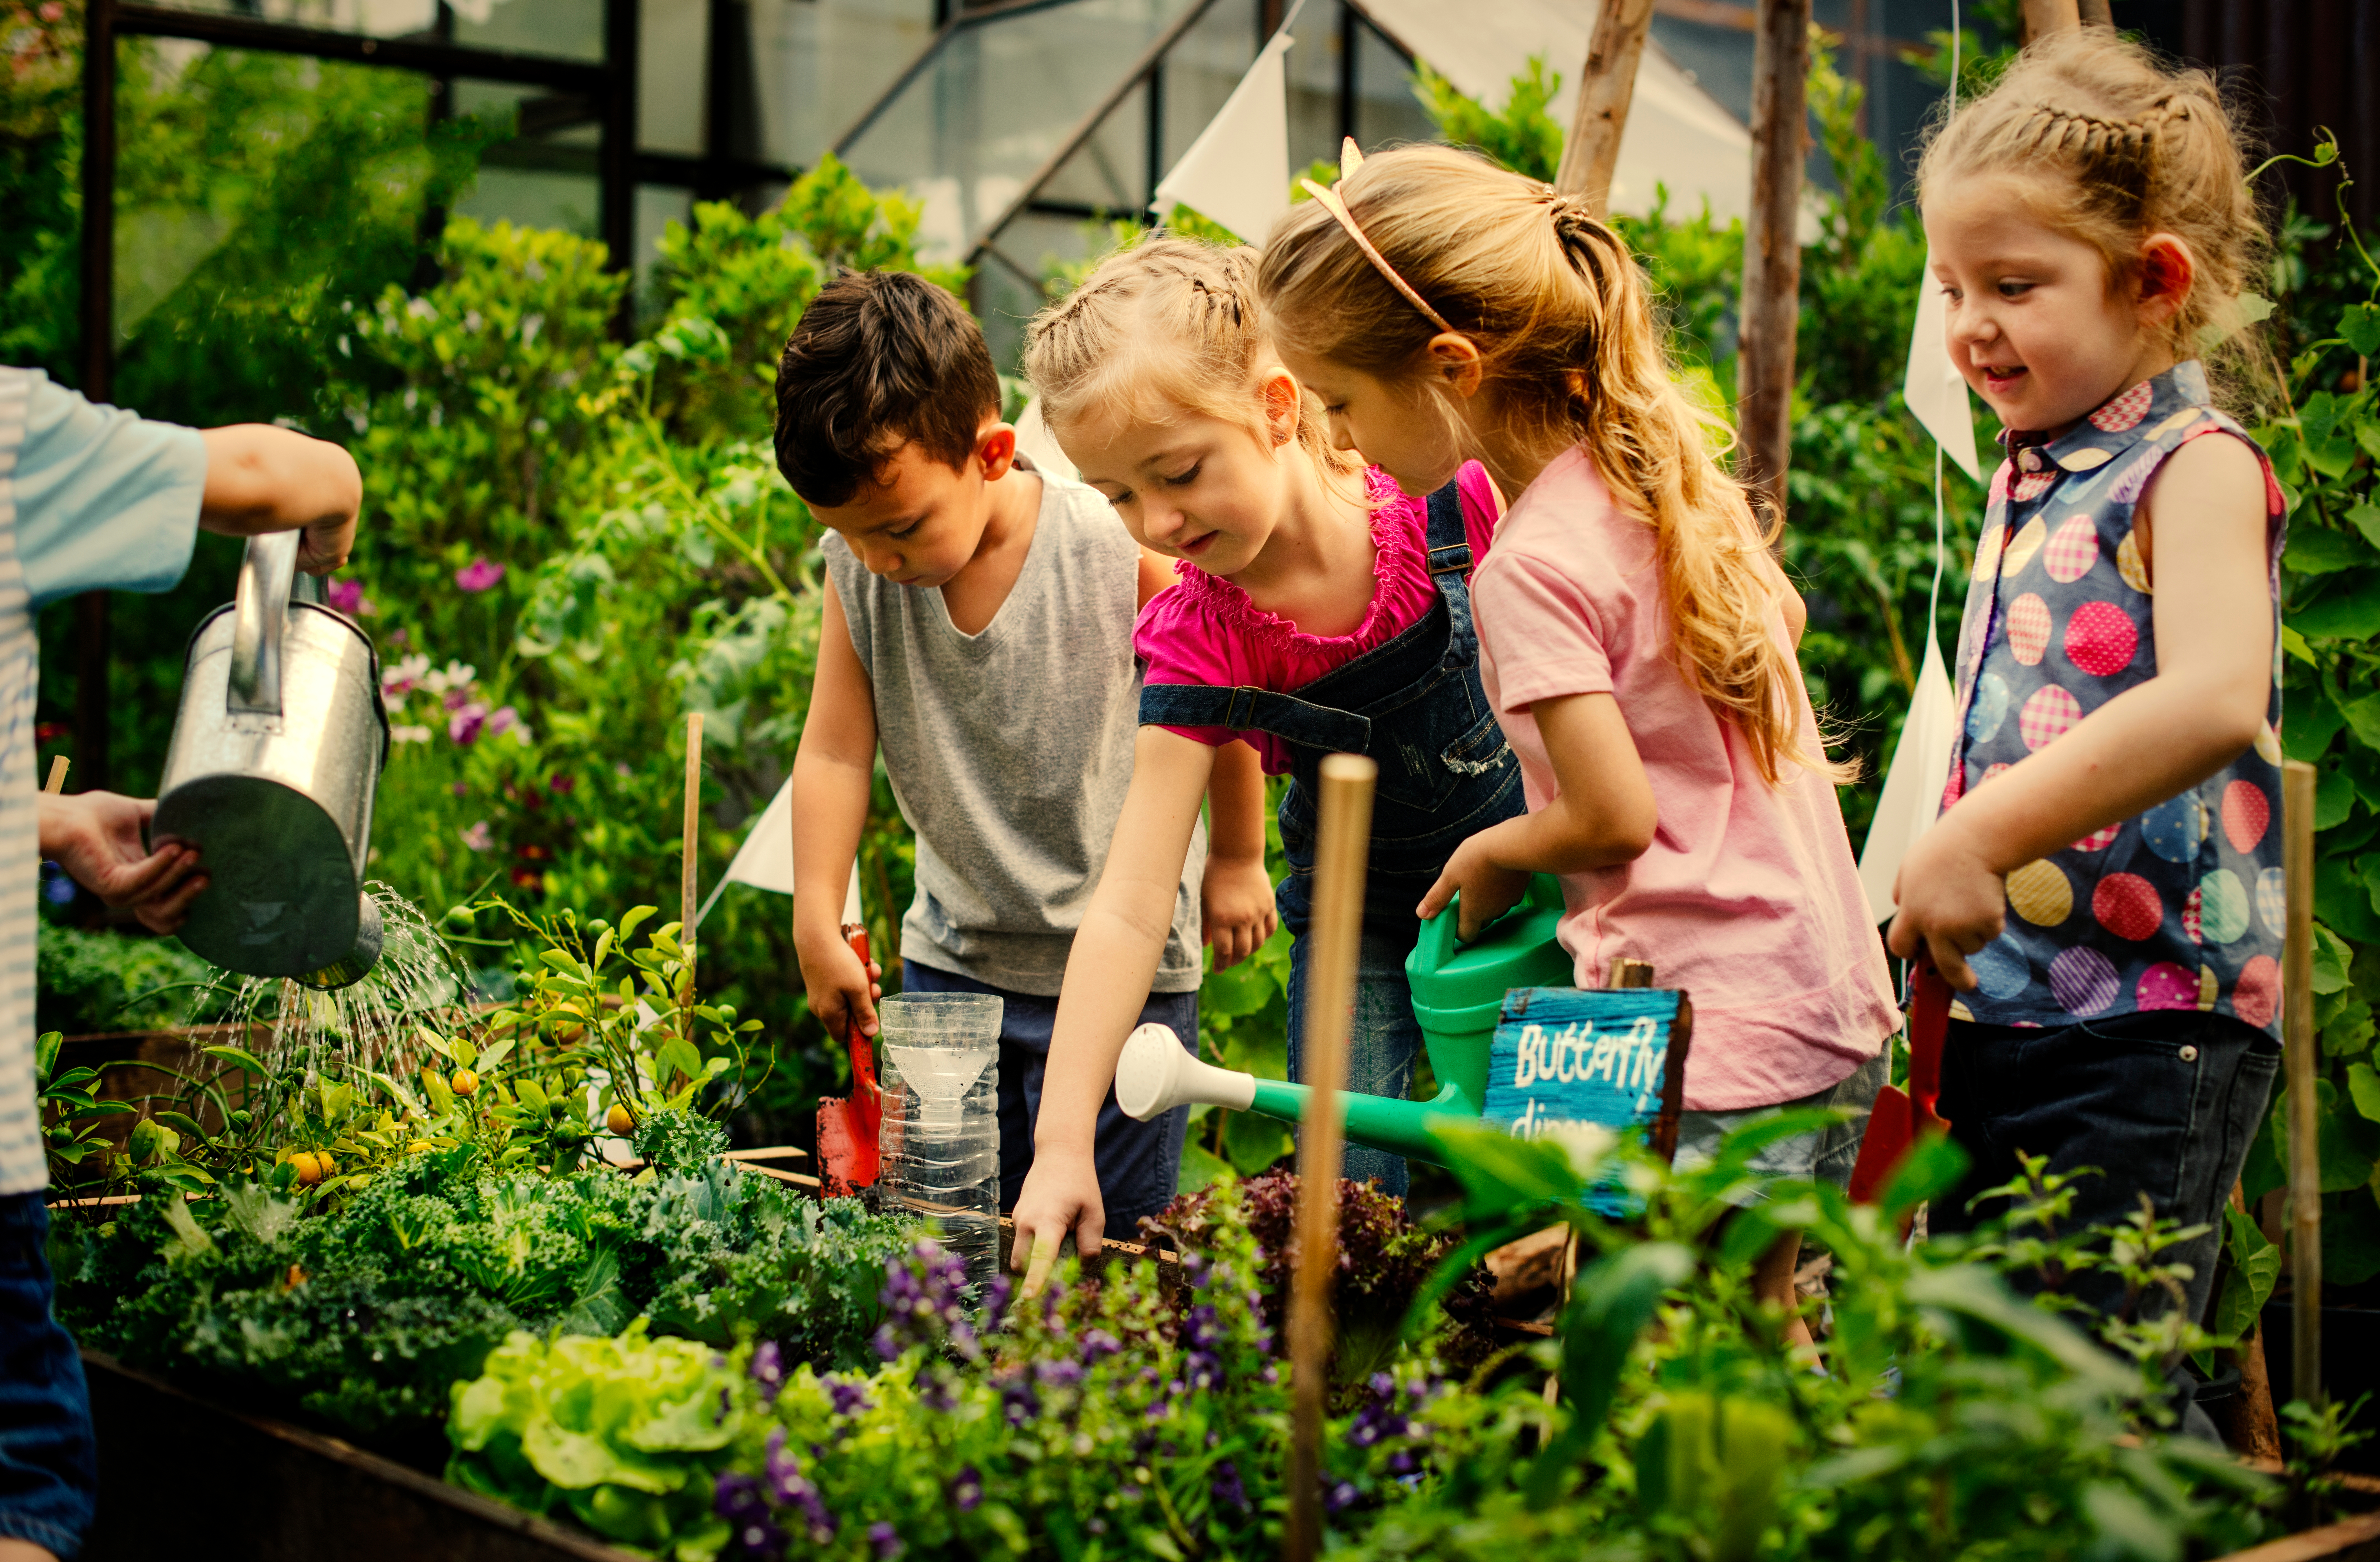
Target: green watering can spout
[{"x": 1458, "y": 996}]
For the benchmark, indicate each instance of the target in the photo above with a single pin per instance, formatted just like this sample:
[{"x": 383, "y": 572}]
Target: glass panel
[
  {"x": 534, "y": 198},
  {"x": 545, "y": 174},
  {"x": 1314, "y": 126},
  {"x": 996, "y": 99},
  {"x": 1387, "y": 112},
  {"x": 1110, "y": 172},
  {"x": 673, "y": 47},
  {"x": 657, "y": 207},
  {"x": 570, "y": 29},
  {"x": 821, "y": 63},
  {"x": 379, "y": 18},
  {"x": 1201, "y": 71}
]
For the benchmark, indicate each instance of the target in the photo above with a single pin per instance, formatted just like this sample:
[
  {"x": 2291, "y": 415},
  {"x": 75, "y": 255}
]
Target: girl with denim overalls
[
  {"x": 1636, "y": 637},
  {"x": 2104, "y": 885},
  {"x": 1316, "y": 609}
]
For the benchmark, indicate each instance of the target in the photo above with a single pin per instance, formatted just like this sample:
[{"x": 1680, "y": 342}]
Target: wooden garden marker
[
  {"x": 1606, "y": 86},
  {"x": 1345, "y": 840},
  {"x": 1772, "y": 246},
  {"x": 2297, "y": 1045},
  {"x": 686, "y": 866},
  {"x": 57, "y": 781}
]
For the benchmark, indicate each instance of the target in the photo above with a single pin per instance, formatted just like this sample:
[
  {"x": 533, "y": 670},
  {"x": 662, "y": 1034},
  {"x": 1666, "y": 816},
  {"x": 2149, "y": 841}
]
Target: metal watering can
[
  {"x": 1458, "y": 994},
  {"x": 276, "y": 753}
]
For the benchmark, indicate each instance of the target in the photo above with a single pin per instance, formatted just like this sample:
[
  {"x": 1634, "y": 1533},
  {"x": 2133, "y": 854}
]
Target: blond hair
[
  {"x": 1162, "y": 326},
  {"x": 2112, "y": 146},
  {"x": 1564, "y": 321}
]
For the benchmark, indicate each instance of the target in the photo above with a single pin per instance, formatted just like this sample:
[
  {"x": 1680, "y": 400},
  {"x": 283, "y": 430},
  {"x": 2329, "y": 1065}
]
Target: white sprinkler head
[{"x": 1155, "y": 1073}]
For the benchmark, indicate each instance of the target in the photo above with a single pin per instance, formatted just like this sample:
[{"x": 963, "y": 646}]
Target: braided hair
[
  {"x": 1165, "y": 326},
  {"x": 2112, "y": 144}
]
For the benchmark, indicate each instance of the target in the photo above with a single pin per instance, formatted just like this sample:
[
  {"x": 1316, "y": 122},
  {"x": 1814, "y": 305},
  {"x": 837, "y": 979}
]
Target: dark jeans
[
  {"x": 1139, "y": 1163},
  {"x": 1383, "y": 1037},
  {"x": 2164, "y": 1103},
  {"x": 49, "y": 1462}
]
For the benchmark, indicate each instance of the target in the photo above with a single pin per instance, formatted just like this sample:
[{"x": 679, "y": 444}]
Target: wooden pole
[
  {"x": 1340, "y": 855},
  {"x": 686, "y": 866},
  {"x": 57, "y": 781},
  {"x": 2298, "y": 1040},
  {"x": 1606, "y": 85},
  {"x": 1772, "y": 247}
]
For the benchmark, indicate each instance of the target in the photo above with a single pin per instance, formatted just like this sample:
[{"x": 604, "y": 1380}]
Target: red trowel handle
[
  {"x": 866, "y": 1096},
  {"x": 1900, "y": 1118}
]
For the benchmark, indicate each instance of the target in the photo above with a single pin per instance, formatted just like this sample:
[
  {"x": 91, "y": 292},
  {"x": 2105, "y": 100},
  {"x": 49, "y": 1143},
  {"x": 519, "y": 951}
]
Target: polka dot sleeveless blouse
[{"x": 2180, "y": 906}]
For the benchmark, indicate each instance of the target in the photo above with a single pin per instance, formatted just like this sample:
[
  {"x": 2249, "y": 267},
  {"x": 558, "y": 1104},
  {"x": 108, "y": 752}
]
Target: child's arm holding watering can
[
  {"x": 1107, "y": 975},
  {"x": 834, "y": 770},
  {"x": 1603, "y": 815}
]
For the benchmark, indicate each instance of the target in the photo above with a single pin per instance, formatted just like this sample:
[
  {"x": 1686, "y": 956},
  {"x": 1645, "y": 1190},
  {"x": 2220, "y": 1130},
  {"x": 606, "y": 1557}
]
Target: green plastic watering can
[{"x": 1458, "y": 996}]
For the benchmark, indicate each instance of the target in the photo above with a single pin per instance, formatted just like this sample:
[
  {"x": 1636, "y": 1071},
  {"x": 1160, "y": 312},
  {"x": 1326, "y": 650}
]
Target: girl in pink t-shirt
[
  {"x": 1316, "y": 609},
  {"x": 1636, "y": 637}
]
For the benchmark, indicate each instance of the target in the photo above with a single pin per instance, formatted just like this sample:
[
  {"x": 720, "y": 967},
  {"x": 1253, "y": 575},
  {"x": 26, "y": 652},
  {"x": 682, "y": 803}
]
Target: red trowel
[
  {"x": 846, "y": 1127},
  {"x": 1900, "y": 1116}
]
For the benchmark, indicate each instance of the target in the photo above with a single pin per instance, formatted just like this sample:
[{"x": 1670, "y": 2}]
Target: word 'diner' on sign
[{"x": 1564, "y": 1055}]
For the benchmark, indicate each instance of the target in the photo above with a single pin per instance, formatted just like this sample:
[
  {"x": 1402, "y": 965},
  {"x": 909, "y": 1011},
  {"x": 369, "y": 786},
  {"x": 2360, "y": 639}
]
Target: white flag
[
  {"x": 1237, "y": 171},
  {"x": 1913, "y": 788},
  {"x": 765, "y": 860},
  {"x": 1934, "y": 389}
]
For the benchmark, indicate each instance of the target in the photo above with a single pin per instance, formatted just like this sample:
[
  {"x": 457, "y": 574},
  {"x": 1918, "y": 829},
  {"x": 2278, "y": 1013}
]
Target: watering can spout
[{"x": 1155, "y": 1073}]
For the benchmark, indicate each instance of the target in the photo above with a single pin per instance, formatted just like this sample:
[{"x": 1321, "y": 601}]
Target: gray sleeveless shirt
[{"x": 1011, "y": 751}]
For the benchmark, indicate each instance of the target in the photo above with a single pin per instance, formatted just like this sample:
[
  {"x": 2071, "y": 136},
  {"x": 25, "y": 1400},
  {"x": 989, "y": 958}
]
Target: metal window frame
[{"x": 1149, "y": 70}]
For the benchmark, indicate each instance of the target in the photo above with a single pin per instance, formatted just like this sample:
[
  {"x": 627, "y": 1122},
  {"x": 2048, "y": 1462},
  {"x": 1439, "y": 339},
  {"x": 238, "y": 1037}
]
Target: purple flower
[
  {"x": 791, "y": 1488},
  {"x": 1228, "y": 1488},
  {"x": 1098, "y": 1345},
  {"x": 479, "y": 575},
  {"x": 966, "y": 1489},
  {"x": 850, "y": 1398},
  {"x": 347, "y": 596},
  {"x": 767, "y": 1369},
  {"x": 464, "y": 725},
  {"x": 885, "y": 1539},
  {"x": 1059, "y": 1374},
  {"x": 1340, "y": 1498}
]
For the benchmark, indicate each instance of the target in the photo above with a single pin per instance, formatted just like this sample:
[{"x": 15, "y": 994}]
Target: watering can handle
[{"x": 259, "y": 610}]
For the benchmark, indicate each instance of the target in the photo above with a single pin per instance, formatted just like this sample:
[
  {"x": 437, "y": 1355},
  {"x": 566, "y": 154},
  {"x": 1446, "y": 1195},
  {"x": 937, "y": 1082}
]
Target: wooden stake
[
  {"x": 1606, "y": 85},
  {"x": 686, "y": 866},
  {"x": 2298, "y": 1044},
  {"x": 57, "y": 781},
  {"x": 1772, "y": 247},
  {"x": 1340, "y": 856},
  {"x": 2037, "y": 19}
]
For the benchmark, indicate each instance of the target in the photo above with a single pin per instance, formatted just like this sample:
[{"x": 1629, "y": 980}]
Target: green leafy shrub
[
  {"x": 88, "y": 981},
  {"x": 365, "y": 1316}
]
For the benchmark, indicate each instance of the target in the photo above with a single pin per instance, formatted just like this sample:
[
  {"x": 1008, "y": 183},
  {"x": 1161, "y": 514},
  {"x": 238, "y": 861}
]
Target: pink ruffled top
[{"x": 1203, "y": 630}]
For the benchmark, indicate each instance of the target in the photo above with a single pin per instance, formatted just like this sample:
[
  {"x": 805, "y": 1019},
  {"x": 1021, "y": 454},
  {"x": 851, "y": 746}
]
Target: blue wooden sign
[{"x": 1564, "y": 1056}]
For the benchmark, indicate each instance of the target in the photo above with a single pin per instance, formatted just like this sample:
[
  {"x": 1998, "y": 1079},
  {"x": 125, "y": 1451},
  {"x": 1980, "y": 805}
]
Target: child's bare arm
[
  {"x": 834, "y": 770},
  {"x": 1108, "y": 974},
  {"x": 1235, "y": 899},
  {"x": 1603, "y": 815},
  {"x": 2203, "y": 514},
  {"x": 262, "y": 478}
]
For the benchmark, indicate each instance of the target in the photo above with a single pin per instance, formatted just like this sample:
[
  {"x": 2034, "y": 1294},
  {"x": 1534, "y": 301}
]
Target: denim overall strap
[{"x": 1263, "y": 710}]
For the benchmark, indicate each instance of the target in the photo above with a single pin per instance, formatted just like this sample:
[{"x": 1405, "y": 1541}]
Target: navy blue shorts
[
  {"x": 49, "y": 1460},
  {"x": 1138, "y": 1162}
]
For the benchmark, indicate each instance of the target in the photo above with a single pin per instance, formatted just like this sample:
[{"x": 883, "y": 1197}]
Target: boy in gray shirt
[{"x": 977, "y": 628}]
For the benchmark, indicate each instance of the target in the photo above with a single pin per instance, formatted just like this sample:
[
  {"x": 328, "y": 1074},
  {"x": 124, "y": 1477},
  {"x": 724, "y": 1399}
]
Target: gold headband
[{"x": 1350, "y": 159}]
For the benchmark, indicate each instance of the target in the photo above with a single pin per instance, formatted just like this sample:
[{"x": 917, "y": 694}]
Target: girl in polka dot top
[{"x": 2104, "y": 887}]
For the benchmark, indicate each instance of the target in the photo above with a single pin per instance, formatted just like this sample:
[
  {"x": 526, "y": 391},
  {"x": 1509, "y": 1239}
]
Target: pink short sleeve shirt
[{"x": 1747, "y": 898}]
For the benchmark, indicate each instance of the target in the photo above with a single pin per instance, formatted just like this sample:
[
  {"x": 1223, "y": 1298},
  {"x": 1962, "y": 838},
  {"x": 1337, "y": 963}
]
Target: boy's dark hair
[{"x": 879, "y": 359}]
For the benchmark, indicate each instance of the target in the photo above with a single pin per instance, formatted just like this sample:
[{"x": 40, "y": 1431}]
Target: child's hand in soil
[
  {"x": 1061, "y": 1194},
  {"x": 1236, "y": 907},
  {"x": 841, "y": 990},
  {"x": 1953, "y": 903}
]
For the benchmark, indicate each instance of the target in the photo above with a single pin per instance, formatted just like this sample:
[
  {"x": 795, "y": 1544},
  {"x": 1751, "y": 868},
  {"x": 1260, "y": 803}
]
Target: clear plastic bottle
[{"x": 940, "y": 1067}]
